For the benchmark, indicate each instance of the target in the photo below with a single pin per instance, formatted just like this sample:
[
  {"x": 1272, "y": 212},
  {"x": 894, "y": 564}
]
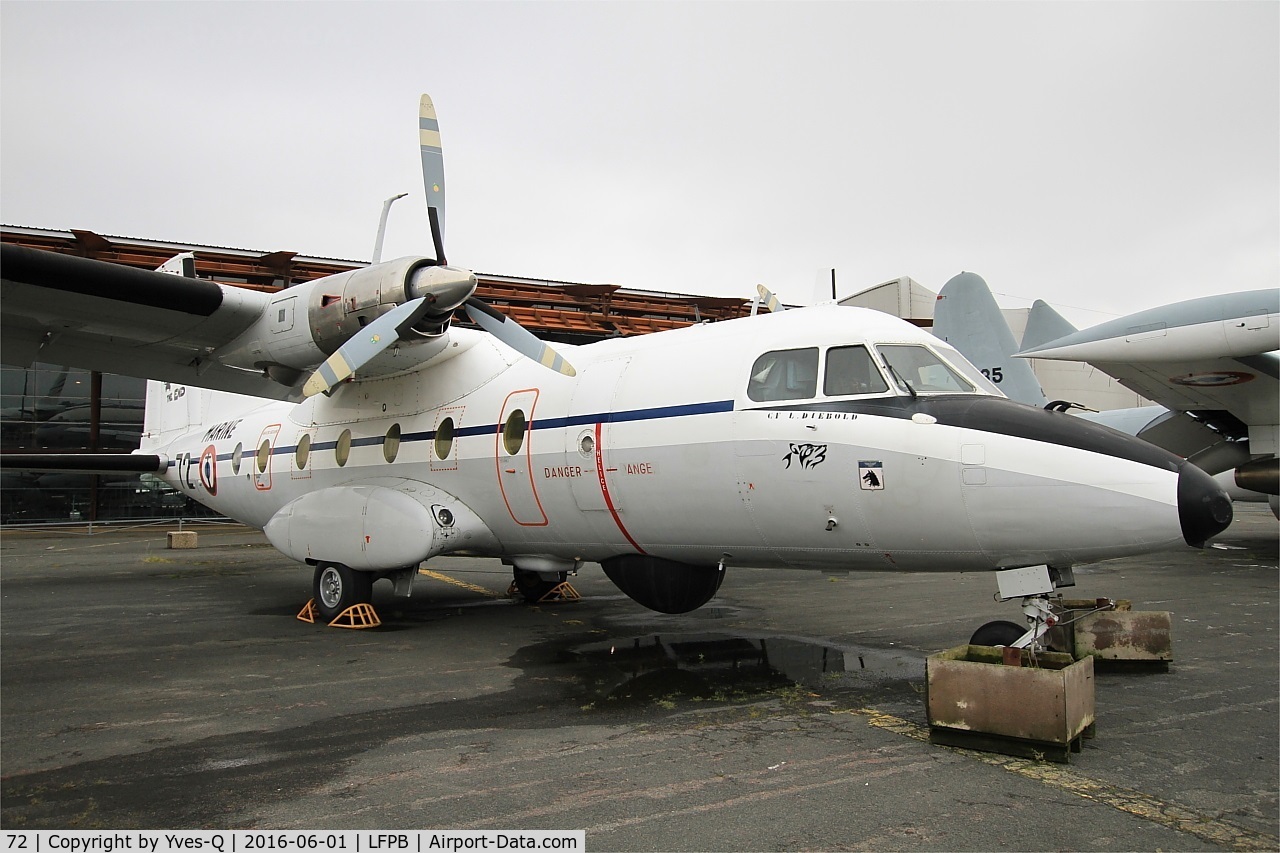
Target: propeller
[
  {"x": 366, "y": 345},
  {"x": 444, "y": 290}
]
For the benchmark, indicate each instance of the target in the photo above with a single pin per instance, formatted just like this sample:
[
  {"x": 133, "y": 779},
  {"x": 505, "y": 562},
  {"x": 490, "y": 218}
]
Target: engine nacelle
[
  {"x": 663, "y": 585},
  {"x": 305, "y": 324},
  {"x": 1260, "y": 475},
  {"x": 341, "y": 304}
]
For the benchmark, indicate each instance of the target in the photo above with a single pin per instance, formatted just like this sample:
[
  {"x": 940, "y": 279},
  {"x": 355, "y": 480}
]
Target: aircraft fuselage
[{"x": 671, "y": 445}]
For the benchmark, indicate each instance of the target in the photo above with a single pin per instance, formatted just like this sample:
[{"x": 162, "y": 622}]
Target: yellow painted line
[
  {"x": 1206, "y": 827},
  {"x": 446, "y": 579}
]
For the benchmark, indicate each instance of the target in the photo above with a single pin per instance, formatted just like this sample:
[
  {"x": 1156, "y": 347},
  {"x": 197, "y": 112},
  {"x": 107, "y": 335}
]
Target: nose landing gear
[{"x": 1032, "y": 585}]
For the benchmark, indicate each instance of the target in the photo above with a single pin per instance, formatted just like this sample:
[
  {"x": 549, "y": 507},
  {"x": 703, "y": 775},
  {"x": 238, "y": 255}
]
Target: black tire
[
  {"x": 998, "y": 633},
  {"x": 532, "y": 587},
  {"x": 336, "y": 587}
]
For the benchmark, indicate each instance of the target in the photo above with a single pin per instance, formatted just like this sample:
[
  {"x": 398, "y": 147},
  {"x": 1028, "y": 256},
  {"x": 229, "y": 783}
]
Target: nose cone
[{"x": 1204, "y": 509}]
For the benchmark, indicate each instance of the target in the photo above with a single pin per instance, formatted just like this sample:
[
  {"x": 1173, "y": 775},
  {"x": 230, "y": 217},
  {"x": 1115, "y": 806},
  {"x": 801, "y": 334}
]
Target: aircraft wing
[
  {"x": 1214, "y": 357},
  {"x": 81, "y": 312}
]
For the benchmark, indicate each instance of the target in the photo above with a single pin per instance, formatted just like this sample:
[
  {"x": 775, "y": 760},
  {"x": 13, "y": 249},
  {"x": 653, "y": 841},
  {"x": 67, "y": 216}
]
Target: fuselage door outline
[
  {"x": 262, "y": 459},
  {"x": 513, "y": 456}
]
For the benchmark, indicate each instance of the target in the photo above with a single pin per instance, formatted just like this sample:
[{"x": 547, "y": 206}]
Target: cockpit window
[
  {"x": 922, "y": 370},
  {"x": 784, "y": 375},
  {"x": 850, "y": 370}
]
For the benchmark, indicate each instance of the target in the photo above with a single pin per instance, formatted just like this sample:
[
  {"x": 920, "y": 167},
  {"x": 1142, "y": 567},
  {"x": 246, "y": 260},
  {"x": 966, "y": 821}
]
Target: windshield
[
  {"x": 850, "y": 370},
  {"x": 922, "y": 370}
]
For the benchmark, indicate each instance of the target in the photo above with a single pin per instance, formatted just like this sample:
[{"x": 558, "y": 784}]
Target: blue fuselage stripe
[{"x": 653, "y": 414}]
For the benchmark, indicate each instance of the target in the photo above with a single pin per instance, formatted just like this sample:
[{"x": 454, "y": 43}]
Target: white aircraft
[
  {"x": 1210, "y": 363},
  {"x": 818, "y": 438}
]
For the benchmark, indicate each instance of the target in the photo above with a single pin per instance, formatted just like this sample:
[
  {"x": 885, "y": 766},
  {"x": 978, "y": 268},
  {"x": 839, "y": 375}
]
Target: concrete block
[{"x": 182, "y": 539}]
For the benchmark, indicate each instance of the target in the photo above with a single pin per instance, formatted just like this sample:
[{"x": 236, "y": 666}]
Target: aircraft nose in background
[{"x": 1204, "y": 509}]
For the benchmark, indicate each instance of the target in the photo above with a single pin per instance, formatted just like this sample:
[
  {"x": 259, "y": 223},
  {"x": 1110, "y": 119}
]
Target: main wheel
[
  {"x": 336, "y": 587},
  {"x": 998, "y": 633},
  {"x": 533, "y": 587}
]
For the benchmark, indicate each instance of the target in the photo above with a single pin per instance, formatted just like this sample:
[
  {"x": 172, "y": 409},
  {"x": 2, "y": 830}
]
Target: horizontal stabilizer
[{"x": 86, "y": 463}]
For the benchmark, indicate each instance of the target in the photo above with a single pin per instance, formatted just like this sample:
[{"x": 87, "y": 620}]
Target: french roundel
[{"x": 209, "y": 470}]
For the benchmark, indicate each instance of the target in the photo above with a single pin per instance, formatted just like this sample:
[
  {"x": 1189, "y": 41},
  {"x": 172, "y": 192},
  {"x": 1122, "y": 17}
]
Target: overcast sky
[{"x": 1103, "y": 156}]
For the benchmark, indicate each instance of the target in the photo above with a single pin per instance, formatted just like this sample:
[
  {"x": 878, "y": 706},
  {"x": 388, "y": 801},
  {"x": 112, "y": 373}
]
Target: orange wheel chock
[
  {"x": 308, "y": 612},
  {"x": 357, "y": 616},
  {"x": 562, "y": 591}
]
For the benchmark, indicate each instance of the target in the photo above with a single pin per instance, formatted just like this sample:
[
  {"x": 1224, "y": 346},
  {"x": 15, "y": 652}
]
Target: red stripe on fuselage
[{"x": 604, "y": 491}]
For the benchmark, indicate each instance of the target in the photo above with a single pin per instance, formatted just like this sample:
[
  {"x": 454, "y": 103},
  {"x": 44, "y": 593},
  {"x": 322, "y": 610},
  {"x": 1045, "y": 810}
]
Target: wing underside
[{"x": 80, "y": 312}]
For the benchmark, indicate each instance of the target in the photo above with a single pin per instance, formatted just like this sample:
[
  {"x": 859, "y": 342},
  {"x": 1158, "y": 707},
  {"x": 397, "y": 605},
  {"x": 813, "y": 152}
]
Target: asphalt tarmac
[{"x": 152, "y": 688}]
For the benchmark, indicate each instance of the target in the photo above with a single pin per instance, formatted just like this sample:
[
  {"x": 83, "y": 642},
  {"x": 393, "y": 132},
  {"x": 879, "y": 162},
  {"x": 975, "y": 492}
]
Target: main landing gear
[
  {"x": 337, "y": 587},
  {"x": 542, "y": 587},
  {"x": 340, "y": 597}
]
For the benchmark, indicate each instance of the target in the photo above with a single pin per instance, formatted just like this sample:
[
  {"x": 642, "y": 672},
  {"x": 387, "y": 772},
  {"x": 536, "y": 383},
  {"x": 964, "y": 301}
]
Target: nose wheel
[{"x": 1001, "y": 632}]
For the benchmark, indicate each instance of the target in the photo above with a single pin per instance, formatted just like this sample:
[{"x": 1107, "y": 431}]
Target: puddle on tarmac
[{"x": 670, "y": 670}]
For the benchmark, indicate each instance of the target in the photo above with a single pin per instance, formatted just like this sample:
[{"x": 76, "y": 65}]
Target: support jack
[{"x": 356, "y": 616}]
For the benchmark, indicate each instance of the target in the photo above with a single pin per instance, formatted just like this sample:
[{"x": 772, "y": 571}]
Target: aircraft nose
[{"x": 1204, "y": 509}]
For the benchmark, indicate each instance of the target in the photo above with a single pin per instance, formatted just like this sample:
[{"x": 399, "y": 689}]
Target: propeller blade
[
  {"x": 769, "y": 299},
  {"x": 432, "y": 160},
  {"x": 517, "y": 337},
  {"x": 364, "y": 346},
  {"x": 494, "y": 322},
  {"x": 437, "y": 235}
]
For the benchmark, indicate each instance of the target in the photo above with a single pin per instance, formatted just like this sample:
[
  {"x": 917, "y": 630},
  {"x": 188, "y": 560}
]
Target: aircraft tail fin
[
  {"x": 1044, "y": 325},
  {"x": 968, "y": 318},
  {"x": 173, "y": 410}
]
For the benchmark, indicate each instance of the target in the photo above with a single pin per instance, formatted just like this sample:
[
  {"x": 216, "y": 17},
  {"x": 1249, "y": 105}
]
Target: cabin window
[
  {"x": 784, "y": 375},
  {"x": 342, "y": 449},
  {"x": 513, "y": 432},
  {"x": 444, "y": 439},
  {"x": 922, "y": 370},
  {"x": 236, "y": 456},
  {"x": 303, "y": 451},
  {"x": 391, "y": 443},
  {"x": 850, "y": 370},
  {"x": 264, "y": 455}
]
